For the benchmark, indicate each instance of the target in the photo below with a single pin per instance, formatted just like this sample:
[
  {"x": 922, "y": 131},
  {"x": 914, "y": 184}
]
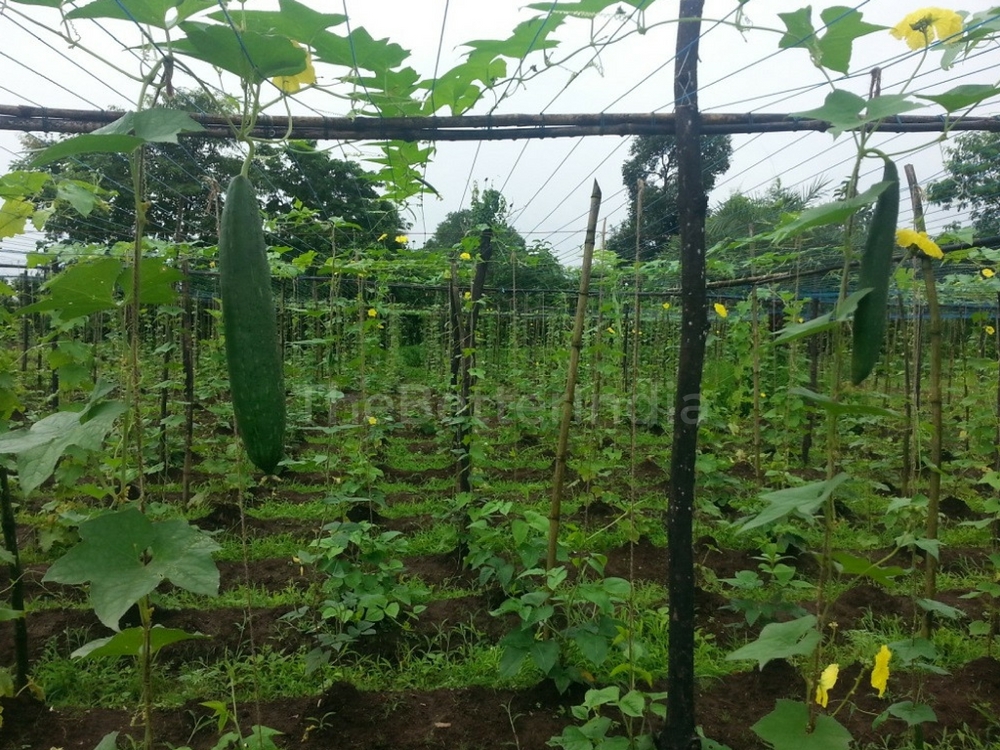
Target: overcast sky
[{"x": 548, "y": 182}]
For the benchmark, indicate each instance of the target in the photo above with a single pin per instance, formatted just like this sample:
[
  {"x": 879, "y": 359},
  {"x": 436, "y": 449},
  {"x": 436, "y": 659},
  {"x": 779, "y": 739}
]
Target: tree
[
  {"x": 514, "y": 264},
  {"x": 654, "y": 160},
  {"x": 973, "y": 166}
]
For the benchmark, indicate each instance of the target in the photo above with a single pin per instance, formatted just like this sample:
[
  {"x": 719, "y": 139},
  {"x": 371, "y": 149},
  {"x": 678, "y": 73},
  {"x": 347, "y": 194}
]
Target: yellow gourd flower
[
  {"x": 826, "y": 682},
  {"x": 990, "y": 330},
  {"x": 923, "y": 26},
  {"x": 372, "y": 312},
  {"x": 666, "y": 305},
  {"x": 720, "y": 310},
  {"x": 402, "y": 239},
  {"x": 880, "y": 673},
  {"x": 920, "y": 240},
  {"x": 611, "y": 330},
  {"x": 467, "y": 295},
  {"x": 465, "y": 256},
  {"x": 381, "y": 237},
  {"x": 291, "y": 84},
  {"x": 373, "y": 421},
  {"x": 988, "y": 273}
]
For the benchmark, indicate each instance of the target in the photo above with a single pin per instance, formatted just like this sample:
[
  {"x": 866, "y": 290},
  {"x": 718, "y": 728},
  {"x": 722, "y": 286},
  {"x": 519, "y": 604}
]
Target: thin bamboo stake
[
  {"x": 574, "y": 363},
  {"x": 934, "y": 399}
]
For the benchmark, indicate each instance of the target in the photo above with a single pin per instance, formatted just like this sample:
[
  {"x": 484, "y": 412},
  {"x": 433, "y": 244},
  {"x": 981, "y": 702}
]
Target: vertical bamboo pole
[
  {"x": 678, "y": 731},
  {"x": 576, "y": 344},
  {"x": 934, "y": 399},
  {"x": 187, "y": 360},
  {"x": 9, "y": 525}
]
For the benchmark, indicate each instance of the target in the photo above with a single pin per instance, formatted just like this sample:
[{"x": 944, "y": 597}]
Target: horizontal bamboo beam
[{"x": 479, "y": 127}]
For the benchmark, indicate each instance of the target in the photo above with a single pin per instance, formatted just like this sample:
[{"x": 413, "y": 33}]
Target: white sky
[{"x": 548, "y": 182}]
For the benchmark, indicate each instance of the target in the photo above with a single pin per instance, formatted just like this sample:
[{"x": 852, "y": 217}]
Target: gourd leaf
[
  {"x": 358, "y": 51},
  {"x": 963, "y": 96},
  {"x": 14, "y": 214},
  {"x": 833, "y": 49},
  {"x": 834, "y": 212},
  {"x": 804, "y": 500},
  {"x": 88, "y": 143},
  {"x": 293, "y": 19},
  {"x": 129, "y": 642},
  {"x": 251, "y": 55},
  {"x": 528, "y": 36},
  {"x": 21, "y": 184},
  {"x": 147, "y": 12},
  {"x": 125, "y": 556},
  {"x": 780, "y": 640},
  {"x": 859, "y": 566},
  {"x": 912, "y": 713},
  {"x": 40, "y": 447},
  {"x": 787, "y": 728},
  {"x": 823, "y": 322},
  {"x": 81, "y": 289},
  {"x": 157, "y": 282}
]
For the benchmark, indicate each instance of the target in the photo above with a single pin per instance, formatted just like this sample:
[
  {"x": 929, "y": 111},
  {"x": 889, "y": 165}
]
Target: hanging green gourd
[
  {"x": 875, "y": 273},
  {"x": 252, "y": 350}
]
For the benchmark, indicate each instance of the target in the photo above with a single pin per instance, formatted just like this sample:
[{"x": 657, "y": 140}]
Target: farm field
[
  {"x": 714, "y": 465},
  {"x": 422, "y": 664}
]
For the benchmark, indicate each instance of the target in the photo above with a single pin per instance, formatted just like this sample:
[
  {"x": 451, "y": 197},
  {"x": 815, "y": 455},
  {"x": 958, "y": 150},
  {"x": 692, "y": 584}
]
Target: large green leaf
[
  {"x": 586, "y": 8},
  {"x": 833, "y": 49},
  {"x": 22, "y": 184},
  {"x": 787, "y": 728},
  {"x": 838, "y": 407},
  {"x": 293, "y": 20},
  {"x": 87, "y": 143},
  {"x": 251, "y": 55},
  {"x": 153, "y": 125},
  {"x": 780, "y": 640},
  {"x": 824, "y": 322},
  {"x": 963, "y": 96},
  {"x": 835, "y": 212},
  {"x": 844, "y": 25},
  {"x": 147, "y": 12},
  {"x": 81, "y": 289},
  {"x": 912, "y": 713},
  {"x": 528, "y": 36},
  {"x": 804, "y": 500},
  {"x": 81, "y": 195},
  {"x": 124, "y": 556},
  {"x": 358, "y": 51},
  {"x": 14, "y": 214},
  {"x": 40, "y": 447},
  {"x": 129, "y": 642},
  {"x": 157, "y": 280},
  {"x": 859, "y": 566}
]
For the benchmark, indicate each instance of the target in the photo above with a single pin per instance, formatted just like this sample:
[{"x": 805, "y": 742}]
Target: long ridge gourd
[
  {"x": 875, "y": 273},
  {"x": 253, "y": 353}
]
